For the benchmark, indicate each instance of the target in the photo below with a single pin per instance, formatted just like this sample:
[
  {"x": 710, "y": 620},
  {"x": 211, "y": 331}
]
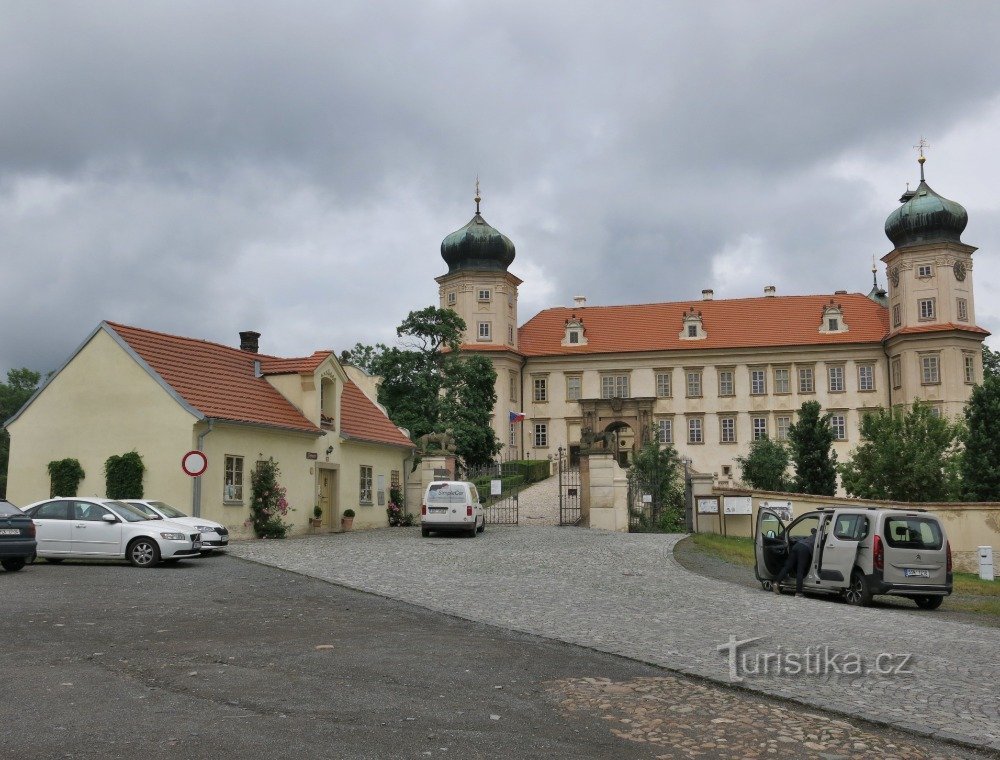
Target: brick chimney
[
  {"x": 248, "y": 341},
  {"x": 707, "y": 294}
]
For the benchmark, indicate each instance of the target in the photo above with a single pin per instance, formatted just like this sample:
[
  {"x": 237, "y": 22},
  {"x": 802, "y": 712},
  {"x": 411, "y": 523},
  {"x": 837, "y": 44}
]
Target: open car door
[
  {"x": 770, "y": 546},
  {"x": 837, "y": 555}
]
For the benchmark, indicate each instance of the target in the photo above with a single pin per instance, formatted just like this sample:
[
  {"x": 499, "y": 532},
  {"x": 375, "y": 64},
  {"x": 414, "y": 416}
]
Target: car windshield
[
  {"x": 126, "y": 511},
  {"x": 149, "y": 512},
  {"x": 446, "y": 493},
  {"x": 167, "y": 510}
]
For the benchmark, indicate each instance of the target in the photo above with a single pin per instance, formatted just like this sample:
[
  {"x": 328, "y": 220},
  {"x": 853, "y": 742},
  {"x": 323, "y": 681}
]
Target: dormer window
[
  {"x": 575, "y": 334},
  {"x": 693, "y": 329},
  {"x": 832, "y": 320}
]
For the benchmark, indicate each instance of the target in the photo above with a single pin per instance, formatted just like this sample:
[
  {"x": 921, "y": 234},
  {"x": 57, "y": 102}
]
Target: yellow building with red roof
[
  {"x": 128, "y": 388},
  {"x": 711, "y": 375}
]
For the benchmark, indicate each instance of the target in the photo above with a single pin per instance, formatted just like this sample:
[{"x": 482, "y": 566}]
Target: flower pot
[
  {"x": 315, "y": 522},
  {"x": 346, "y": 523}
]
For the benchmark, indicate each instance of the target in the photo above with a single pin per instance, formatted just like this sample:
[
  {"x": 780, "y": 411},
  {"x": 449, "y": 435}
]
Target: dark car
[{"x": 17, "y": 537}]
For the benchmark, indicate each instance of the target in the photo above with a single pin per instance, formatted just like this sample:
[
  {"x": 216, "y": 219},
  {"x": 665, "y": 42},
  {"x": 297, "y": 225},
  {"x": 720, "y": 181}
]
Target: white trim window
[
  {"x": 838, "y": 424},
  {"x": 727, "y": 430},
  {"x": 541, "y": 434},
  {"x": 694, "y": 383},
  {"x": 541, "y": 386},
  {"x": 665, "y": 431},
  {"x": 897, "y": 315},
  {"x": 696, "y": 427},
  {"x": 806, "y": 384},
  {"x": 452, "y": 298},
  {"x": 485, "y": 331},
  {"x": 836, "y": 378},
  {"x": 963, "y": 310},
  {"x": 232, "y": 489},
  {"x": 759, "y": 428},
  {"x": 897, "y": 372},
  {"x": 758, "y": 382},
  {"x": 925, "y": 308},
  {"x": 727, "y": 385},
  {"x": 782, "y": 425},
  {"x": 782, "y": 380},
  {"x": 513, "y": 437},
  {"x": 573, "y": 387},
  {"x": 614, "y": 386},
  {"x": 866, "y": 377},
  {"x": 970, "y": 368},
  {"x": 925, "y": 270},
  {"x": 365, "y": 486},
  {"x": 664, "y": 387},
  {"x": 512, "y": 377},
  {"x": 930, "y": 370},
  {"x": 484, "y": 294}
]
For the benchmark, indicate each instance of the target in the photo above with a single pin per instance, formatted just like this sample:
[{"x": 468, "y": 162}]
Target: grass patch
[
  {"x": 733, "y": 549},
  {"x": 971, "y": 583}
]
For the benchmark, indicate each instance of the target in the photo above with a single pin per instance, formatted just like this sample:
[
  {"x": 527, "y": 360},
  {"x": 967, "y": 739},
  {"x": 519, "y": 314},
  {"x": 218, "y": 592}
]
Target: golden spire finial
[
  {"x": 920, "y": 148},
  {"x": 477, "y": 198}
]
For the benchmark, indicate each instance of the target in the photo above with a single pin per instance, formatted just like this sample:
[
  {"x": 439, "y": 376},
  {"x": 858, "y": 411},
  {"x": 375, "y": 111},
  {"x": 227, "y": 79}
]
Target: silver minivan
[
  {"x": 860, "y": 552},
  {"x": 452, "y": 505}
]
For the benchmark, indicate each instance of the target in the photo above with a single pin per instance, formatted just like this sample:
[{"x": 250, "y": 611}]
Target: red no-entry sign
[{"x": 194, "y": 463}]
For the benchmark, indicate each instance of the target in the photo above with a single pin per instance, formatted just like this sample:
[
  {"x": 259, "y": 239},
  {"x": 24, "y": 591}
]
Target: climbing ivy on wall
[
  {"x": 64, "y": 477},
  {"x": 123, "y": 476}
]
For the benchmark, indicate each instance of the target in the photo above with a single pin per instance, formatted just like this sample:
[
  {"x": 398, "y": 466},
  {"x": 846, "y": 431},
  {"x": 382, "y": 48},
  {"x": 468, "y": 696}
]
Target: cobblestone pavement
[
  {"x": 538, "y": 504},
  {"x": 625, "y": 594}
]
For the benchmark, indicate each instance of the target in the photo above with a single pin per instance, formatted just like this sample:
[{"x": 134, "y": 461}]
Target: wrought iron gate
[
  {"x": 498, "y": 508},
  {"x": 569, "y": 490}
]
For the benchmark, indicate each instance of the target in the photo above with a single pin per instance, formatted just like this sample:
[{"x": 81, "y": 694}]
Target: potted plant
[
  {"x": 347, "y": 521},
  {"x": 317, "y": 519}
]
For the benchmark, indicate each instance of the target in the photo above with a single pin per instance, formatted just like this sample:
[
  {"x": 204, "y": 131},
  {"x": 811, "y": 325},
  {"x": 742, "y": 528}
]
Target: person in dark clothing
[{"x": 799, "y": 557}]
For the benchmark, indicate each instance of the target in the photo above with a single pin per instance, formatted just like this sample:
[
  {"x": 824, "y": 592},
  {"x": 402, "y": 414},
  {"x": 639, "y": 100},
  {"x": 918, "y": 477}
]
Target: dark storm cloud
[{"x": 292, "y": 167}]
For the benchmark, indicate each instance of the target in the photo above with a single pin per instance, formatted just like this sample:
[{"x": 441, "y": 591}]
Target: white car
[
  {"x": 213, "y": 535},
  {"x": 452, "y": 505},
  {"x": 89, "y": 527}
]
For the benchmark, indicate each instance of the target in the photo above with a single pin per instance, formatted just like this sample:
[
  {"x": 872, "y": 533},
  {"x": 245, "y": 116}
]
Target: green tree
[
  {"x": 656, "y": 471},
  {"x": 429, "y": 386},
  {"x": 20, "y": 385},
  {"x": 991, "y": 362},
  {"x": 815, "y": 462},
  {"x": 766, "y": 466},
  {"x": 904, "y": 455},
  {"x": 980, "y": 465}
]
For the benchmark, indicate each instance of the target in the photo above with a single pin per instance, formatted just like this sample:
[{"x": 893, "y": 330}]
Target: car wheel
[
  {"x": 858, "y": 593},
  {"x": 482, "y": 528},
  {"x": 54, "y": 560},
  {"x": 928, "y": 602},
  {"x": 13, "y": 564},
  {"x": 472, "y": 532},
  {"x": 143, "y": 552},
  {"x": 425, "y": 532}
]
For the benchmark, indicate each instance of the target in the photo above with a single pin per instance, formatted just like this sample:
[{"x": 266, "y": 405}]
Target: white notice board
[{"x": 737, "y": 505}]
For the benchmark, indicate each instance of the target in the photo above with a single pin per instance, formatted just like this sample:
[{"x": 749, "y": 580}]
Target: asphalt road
[{"x": 223, "y": 658}]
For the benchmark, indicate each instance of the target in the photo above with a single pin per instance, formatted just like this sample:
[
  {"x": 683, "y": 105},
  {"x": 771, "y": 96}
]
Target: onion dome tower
[
  {"x": 477, "y": 246},
  {"x": 933, "y": 344}
]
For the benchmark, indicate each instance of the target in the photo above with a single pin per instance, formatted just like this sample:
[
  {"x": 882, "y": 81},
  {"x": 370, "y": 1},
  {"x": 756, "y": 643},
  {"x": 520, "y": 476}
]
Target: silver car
[
  {"x": 861, "y": 552},
  {"x": 213, "y": 535}
]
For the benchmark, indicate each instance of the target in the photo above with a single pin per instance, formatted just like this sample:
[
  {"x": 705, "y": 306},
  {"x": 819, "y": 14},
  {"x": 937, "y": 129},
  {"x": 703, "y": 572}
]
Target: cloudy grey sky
[{"x": 291, "y": 167}]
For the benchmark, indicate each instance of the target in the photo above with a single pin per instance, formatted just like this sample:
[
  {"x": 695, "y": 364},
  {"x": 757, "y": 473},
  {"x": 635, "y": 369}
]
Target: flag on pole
[{"x": 516, "y": 417}]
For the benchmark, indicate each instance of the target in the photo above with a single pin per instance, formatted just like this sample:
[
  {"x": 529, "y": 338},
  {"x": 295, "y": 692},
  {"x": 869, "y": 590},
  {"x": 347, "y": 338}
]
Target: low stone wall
[{"x": 968, "y": 525}]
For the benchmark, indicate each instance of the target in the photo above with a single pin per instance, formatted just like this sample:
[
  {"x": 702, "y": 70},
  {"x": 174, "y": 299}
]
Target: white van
[{"x": 452, "y": 505}]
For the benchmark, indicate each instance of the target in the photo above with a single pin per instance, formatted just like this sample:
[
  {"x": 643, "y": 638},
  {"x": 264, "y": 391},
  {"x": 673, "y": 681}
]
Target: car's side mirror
[
  {"x": 109, "y": 518},
  {"x": 770, "y": 534}
]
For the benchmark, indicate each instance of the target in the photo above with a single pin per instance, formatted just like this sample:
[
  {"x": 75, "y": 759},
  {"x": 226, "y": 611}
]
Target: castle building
[{"x": 711, "y": 375}]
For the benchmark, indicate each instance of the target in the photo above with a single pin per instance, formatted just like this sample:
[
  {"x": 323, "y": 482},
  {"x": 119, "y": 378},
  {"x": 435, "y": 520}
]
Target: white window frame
[
  {"x": 782, "y": 423},
  {"x": 835, "y": 378},
  {"x": 896, "y": 370},
  {"x": 232, "y": 482},
  {"x": 665, "y": 430},
  {"x": 782, "y": 380},
  {"x": 930, "y": 370},
  {"x": 970, "y": 368},
  {"x": 574, "y": 337},
  {"x": 962, "y": 306},
  {"x": 664, "y": 384},
  {"x": 574, "y": 387},
  {"x": 759, "y": 425},
  {"x": 926, "y": 309},
  {"x": 485, "y": 331},
  {"x": 897, "y": 315},
  {"x": 540, "y": 389},
  {"x": 693, "y": 379},
  {"x": 807, "y": 379},
  {"x": 727, "y": 382},
  {"x": 727, "y": 430},
  {"x": 838, "y": 424},
  {"x": 485, "y": 294},
  {"x": 512, "y": 378},
  {"x": 833, "y": 324},
  {"x": 696, "y": 430},
  {"x": 365, "y": 486},
  {"x": 924, "y": 271},
  {"x": 758, "y": 382},
  {"x": 541, "y": 435},
  {"x": 452, "y": 298},
  {"x": 614, "y": 386},
  {"x": 866, "y": 377}
]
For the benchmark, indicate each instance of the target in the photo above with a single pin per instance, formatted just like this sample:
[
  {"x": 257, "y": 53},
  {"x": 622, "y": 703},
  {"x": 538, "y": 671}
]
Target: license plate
[
  {"x": 196, "y": 545},
  {"x": 437, "y": 510},
  {"x": 911, "y": 573},
  {"x": 10, "y": 531}
]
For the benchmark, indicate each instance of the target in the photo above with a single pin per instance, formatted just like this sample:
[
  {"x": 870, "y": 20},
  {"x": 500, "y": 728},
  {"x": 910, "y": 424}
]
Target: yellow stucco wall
[
  {"x": 383, "y": 460},
  {"x": 79, "y": 415}
]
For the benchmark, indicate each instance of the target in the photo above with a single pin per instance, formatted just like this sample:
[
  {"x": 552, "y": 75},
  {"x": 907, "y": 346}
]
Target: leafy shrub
[
  {"x": 123, "y": 476},
  {"x": 65, "y": 476},
  {"x": 267, "y": 503}
]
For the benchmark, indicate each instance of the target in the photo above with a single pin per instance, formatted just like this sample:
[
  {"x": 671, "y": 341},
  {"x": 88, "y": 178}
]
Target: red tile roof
[
  {"x": 731, "y": 323},
  {"x": 304, "y": 365},
  {"x": 216, "y": 380},
  {"x": 942, "y": 327},
  {"x": 363, "y": 420}
]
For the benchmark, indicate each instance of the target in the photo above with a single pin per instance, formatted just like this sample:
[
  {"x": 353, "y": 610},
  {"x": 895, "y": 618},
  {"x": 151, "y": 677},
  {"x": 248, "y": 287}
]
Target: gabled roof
[
  {"x": 360, "y": 419},
  {"x": 305, "y": 365},
  {"x": 216, "y": 380},
  {"x": 731, "y": 323}
]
